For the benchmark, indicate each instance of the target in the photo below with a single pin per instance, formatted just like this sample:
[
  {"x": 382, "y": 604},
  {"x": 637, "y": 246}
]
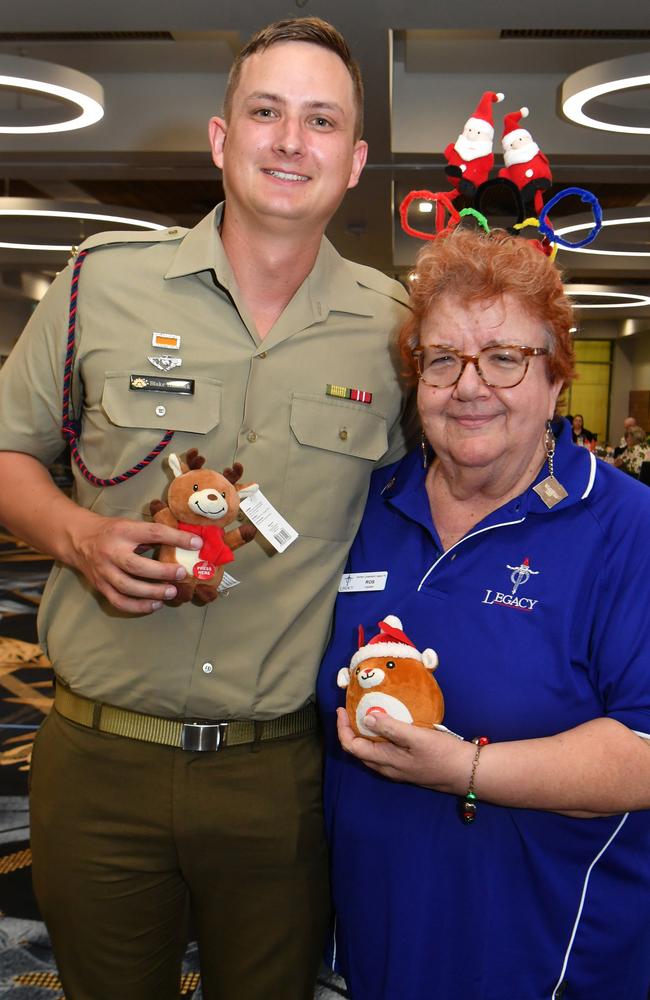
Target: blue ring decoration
[{"x": 585, "y": 196}]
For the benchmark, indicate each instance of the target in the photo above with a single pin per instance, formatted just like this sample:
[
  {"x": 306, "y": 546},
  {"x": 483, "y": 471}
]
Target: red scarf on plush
[{"x": 214, "y": 549}]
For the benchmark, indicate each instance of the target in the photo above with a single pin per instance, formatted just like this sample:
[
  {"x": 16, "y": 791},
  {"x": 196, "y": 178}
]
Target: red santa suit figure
[
  {"x": 470, "y": 158},
  {"x": 525, "y": 165}
]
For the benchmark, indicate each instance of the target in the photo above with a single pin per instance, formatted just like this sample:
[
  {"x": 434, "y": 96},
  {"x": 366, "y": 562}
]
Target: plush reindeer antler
[
  {"x": 193, "y": 460},
  {"x": 233, "y": 475}
]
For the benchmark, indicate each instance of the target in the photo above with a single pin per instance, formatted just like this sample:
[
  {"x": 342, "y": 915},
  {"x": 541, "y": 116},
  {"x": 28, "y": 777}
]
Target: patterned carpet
[{"x": 27, "y": 967}]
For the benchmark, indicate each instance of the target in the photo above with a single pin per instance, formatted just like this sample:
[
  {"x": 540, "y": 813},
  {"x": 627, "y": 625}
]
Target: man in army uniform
[{"x": 180, "y": 770}]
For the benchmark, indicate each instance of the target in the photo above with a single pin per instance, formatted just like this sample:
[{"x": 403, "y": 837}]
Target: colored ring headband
[
  {"x": 442, "y": 200},
  {"x": 585, "y": 196},
  {"x": 480, "y": 218},
  {"x": 546, "y": 245},
  {"x": 524, "y": 177}
]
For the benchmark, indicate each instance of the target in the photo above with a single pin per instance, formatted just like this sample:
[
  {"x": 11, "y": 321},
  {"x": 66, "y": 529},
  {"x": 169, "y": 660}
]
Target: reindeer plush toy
[
  {"x": 389, "y": 675},
  {"x": 202, "y": 502}
]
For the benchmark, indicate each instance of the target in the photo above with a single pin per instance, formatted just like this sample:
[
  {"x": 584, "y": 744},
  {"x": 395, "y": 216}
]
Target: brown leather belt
[{"x": 186, "y": 735}]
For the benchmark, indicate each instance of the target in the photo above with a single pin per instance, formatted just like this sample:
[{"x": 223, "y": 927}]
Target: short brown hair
[
  {"x": 478, "y": 267},
  {"x": 299, "y": 29}
]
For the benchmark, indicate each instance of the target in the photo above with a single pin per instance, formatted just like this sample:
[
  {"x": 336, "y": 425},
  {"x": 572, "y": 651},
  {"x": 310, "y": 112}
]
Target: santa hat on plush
[
  {"x": 512, "y": 131},
  {"x": 391, "y": 641},
  {"x": 482, "y": 117}
]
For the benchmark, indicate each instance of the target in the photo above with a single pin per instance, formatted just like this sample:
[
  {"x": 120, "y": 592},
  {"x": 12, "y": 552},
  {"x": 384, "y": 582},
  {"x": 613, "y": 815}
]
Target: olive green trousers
[{"x": 130, "y": 840}]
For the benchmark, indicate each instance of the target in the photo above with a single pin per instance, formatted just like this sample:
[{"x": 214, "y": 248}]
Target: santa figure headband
[{"x": 525, "y": 176}]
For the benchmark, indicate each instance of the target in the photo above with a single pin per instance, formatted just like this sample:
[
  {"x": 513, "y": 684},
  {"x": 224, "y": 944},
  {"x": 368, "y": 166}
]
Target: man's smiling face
[{"x": 288, "y": 152}]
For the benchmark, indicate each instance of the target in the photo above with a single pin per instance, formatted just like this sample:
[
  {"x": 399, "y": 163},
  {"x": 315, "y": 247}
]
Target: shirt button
[
  {"x": 160, "y": 411},
  {"x": 262, "y": 355},
  {"x": 252, "y": 437},
  {"x": 343, "y": 434},
  {"x": 207, "y": 668}
]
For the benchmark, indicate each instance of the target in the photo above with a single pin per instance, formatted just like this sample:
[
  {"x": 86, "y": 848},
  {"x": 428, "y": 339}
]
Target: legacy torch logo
[{"x": 519, "y": 576}]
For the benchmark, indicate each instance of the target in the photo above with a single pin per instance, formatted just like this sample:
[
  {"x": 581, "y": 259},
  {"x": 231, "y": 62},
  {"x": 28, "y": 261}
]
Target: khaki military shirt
[{"x": 253, "y": 653}]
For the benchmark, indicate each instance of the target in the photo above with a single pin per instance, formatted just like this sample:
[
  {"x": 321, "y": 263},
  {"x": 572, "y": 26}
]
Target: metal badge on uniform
[
  {"x": 171, "y": 341},
  {"x": 165, "y": 362},
  {"x": 352, "y": 583},
  {"x": 158, "y": 383},
  {"x": 550, "y": 491},
  {"x": 344, "y": 392}
]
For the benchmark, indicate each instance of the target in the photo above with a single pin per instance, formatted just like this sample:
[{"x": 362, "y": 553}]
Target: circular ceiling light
[
  {"x": 44, "y": 210},
  {"x": 629, "y": 221},
  {"x": 67, "y": 89},
  {"x": 626, "y": 300},
  {"x": 588, "y": 85}
]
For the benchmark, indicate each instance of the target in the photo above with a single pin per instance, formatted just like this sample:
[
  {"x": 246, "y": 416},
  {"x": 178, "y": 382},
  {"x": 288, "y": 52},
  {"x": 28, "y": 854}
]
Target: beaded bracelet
[{"x": 467, "y": 806}]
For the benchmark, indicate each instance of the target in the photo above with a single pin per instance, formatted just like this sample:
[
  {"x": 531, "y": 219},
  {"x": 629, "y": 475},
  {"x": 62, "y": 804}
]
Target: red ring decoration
[{"x": 442, "y": 201}]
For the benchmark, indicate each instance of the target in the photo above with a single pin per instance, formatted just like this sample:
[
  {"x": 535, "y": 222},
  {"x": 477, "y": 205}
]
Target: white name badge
[
  {"x": 268, "y": 521},
  {"x": 353, "y": 582}
]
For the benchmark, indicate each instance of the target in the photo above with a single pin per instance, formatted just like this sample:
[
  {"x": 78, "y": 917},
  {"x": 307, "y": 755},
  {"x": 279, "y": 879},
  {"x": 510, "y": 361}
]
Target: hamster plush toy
[
  {"x": 390, "y": 676},
  {"x": 202, "y": 502}
]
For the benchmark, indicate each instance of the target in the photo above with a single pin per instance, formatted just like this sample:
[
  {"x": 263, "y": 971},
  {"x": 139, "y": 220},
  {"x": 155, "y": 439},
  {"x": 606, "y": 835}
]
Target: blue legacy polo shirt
[{"x": 540, "y": 621}]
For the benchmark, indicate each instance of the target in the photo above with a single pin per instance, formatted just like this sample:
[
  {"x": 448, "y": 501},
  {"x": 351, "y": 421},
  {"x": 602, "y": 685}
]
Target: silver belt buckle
[{"x": 198, "y": 736}]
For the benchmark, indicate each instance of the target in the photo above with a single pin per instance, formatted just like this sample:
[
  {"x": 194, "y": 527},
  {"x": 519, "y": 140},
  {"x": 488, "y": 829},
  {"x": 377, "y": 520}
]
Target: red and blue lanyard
[{"x": 70, "y": 426}]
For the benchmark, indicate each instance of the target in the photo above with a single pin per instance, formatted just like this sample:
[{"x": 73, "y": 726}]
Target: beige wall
[
  {"x": 13, "y": 317},
  {"x": 631, "y": 371}
]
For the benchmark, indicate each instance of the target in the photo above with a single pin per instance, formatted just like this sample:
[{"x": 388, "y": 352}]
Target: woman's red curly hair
[{"x": 473, "y": 266}]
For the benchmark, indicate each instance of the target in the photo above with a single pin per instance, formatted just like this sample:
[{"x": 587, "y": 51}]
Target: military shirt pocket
[
  {"x": 333, "y": 446},
  {"x": 196, "y": 412},
  {"x": 125, "y": 425}
]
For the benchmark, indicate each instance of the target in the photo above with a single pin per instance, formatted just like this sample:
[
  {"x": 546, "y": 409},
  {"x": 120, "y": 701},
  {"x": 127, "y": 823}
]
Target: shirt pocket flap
[
  {"x": 339, "y": 426},
  {"x": 196, "y": 412}
]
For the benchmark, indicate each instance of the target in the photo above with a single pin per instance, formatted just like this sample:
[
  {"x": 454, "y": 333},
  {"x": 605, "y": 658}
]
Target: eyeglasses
[{"x": 501, "y": 366}]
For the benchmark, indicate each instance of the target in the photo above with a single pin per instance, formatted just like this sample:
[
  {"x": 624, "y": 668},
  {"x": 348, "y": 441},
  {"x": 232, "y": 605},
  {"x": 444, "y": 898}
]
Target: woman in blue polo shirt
[{"x": 517, "y": 557}]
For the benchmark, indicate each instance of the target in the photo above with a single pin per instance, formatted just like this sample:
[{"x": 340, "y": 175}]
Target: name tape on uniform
[
  {"x": 159, "y": 383},
  {"x": 354, "y": 582},
  {"x": 268, "y": 521}
]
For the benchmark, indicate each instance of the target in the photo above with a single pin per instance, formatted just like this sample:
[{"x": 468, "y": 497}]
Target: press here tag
[
  {"x": 354, "y": 582},
  {"x": 268, "y": 521}
]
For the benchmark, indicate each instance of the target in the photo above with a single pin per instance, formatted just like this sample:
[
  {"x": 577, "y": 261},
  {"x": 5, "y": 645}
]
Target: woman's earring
[
  {"x": 424, "y": 445},
  {"x": 550, "y": 490}
]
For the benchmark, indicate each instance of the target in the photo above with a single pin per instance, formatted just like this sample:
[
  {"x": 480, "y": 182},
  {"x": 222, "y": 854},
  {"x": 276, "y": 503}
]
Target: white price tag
[
  {"x": 267, "y": 520},
  {"x": 354, "y": 582},
  {"x": 227, "y": 582}
]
